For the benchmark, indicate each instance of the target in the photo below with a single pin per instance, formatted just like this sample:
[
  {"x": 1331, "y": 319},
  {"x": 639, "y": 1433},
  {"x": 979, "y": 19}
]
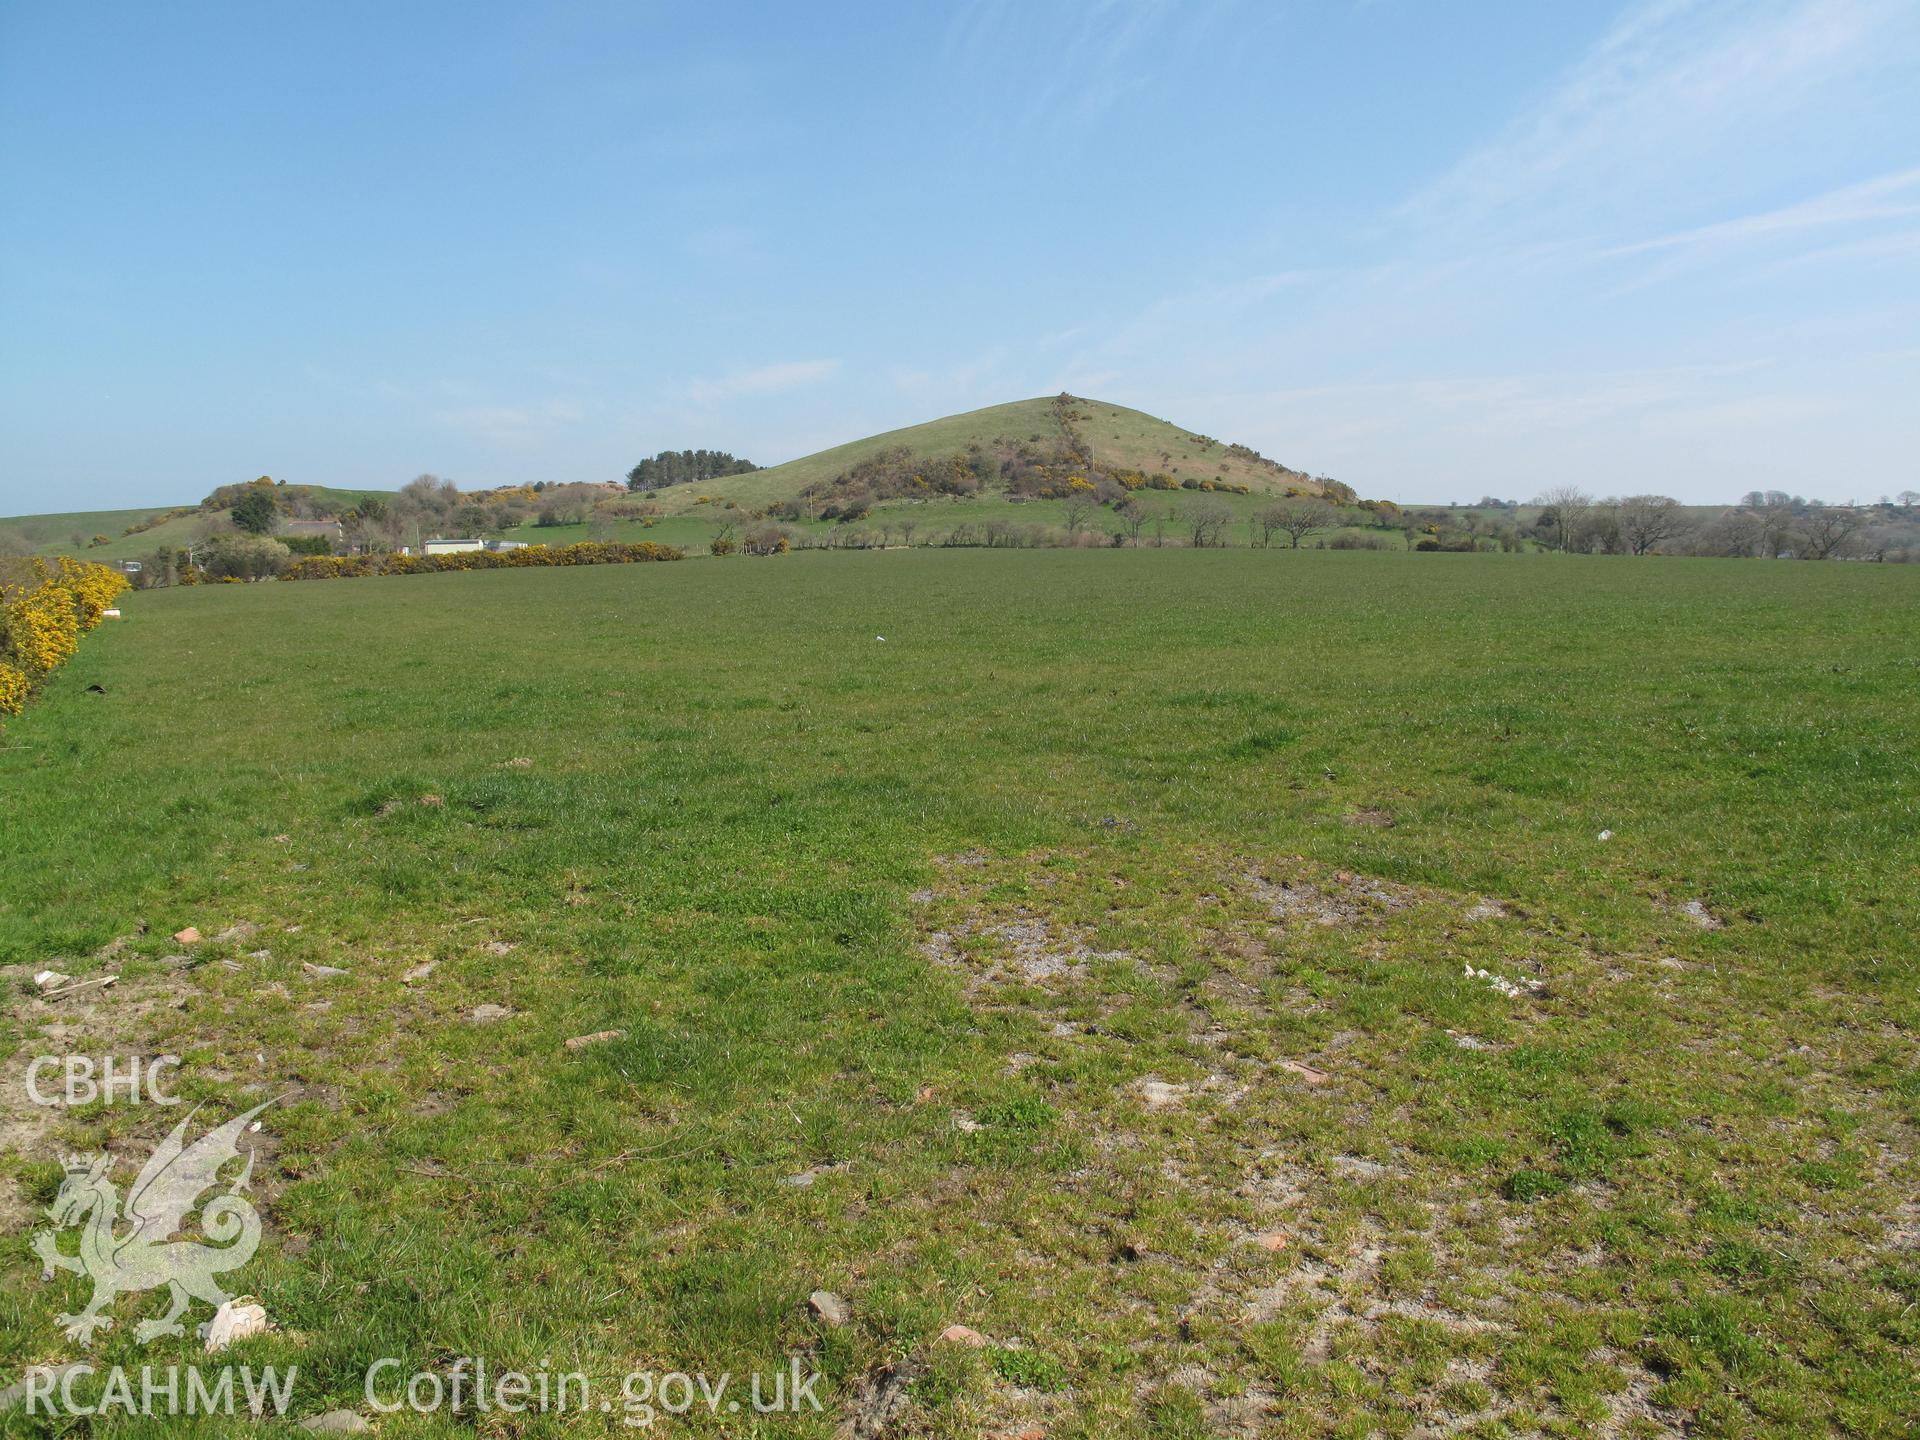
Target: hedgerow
[
  {"x": 585, "y": 552},
  {"x": 43, "y": 614}
]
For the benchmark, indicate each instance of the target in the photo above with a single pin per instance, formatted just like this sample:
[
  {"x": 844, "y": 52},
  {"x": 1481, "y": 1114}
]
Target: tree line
[
  {"x": 684, "y": 467},
  {"x": 1766, "y": 524}
]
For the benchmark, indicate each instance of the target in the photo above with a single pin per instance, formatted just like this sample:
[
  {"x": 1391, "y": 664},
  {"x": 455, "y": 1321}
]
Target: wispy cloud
[
  {"x": 763, "y": 380},
  {"x": 1886, "y": 198},
  {"x": 1671, "y": 81},
  {"x": 1061, "y": 68},
  {"x": 510, "y": 427},
  {"x": 1512, "y": 434}
]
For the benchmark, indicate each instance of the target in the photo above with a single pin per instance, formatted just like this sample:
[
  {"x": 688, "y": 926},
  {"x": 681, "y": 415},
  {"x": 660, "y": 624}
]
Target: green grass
[{"x": 916, "y": 918}]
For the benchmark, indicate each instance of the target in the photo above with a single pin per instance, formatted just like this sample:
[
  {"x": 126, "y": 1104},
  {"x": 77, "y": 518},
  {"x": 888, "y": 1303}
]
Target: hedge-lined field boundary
[
  {"x": 43, "y": 613},
  {"x": 585, "y": 552}
]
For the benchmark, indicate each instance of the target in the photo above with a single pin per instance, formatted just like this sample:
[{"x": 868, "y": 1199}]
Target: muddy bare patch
[
  {"x": 1347, "y": 899},
  {"x": 1028, "y": 949},
  {"x": 86, "y": 1017},
  {"x": 1699, "y": 914}
]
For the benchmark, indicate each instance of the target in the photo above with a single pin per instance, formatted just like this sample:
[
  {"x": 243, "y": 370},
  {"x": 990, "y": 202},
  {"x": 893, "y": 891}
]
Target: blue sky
[{"x": 1434, "y": 250}]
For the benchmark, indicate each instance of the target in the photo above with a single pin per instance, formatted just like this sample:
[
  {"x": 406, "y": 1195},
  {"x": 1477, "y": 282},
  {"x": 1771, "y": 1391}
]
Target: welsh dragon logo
[{"x": 144, "y": 1257}]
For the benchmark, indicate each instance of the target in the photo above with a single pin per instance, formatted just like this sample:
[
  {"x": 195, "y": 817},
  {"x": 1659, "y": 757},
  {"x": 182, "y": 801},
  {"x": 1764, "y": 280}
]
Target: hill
[
  {"x": 130, "y": 534},
  {"x": 70, "y": 532},
  {"x": 1034, "y": 452},
  {"x": 1109, "y": 437}
]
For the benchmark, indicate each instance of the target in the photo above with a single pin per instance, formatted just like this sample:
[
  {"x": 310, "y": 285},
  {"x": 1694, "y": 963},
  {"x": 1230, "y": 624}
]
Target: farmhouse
[{"x": 452, "y": 547}]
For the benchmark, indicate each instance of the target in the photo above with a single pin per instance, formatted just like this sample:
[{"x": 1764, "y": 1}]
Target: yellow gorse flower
[{"x": 43, "y": 618}]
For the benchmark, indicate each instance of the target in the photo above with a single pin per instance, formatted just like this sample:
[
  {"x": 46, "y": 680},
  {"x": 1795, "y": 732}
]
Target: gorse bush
[
  {"x": 586, "y": 552},
  {"x": 43, "y": 614}
]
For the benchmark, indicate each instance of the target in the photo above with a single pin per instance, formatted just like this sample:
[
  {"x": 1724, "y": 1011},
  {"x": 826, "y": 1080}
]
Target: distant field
[{"x": 1017, "y": 940}]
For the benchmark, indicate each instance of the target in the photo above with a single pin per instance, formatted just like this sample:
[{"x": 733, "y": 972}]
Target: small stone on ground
[
  {"x": 337, "y": 1422},
  {"x": 235, "y": 1320},
  {"x": 1159, "y": 1094},
  {"x": 831, "y": 1309},
  {"x": 599, "y": 1037}
]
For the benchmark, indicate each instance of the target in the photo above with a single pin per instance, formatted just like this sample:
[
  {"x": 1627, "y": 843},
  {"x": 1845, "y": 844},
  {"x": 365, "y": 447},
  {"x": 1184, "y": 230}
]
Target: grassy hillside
[
  {"x": 72, "y": 533},
  {"x": 1103, "y": 960},
  {"x": 1119, "y": 438}
]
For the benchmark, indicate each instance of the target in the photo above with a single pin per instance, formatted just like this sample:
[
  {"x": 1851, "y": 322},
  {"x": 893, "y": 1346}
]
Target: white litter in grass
[
  {"x": 99, "y": 982},
  {"x": 1512, "y": 989},
  {"x": 881, "y": 638},
  {"x": 1606, "y": 834},
  {"x": 51, "y": 979}
]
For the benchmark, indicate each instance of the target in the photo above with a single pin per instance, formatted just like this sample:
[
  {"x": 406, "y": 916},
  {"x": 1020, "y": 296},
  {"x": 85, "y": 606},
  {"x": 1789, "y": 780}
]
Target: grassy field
[{"x": 1024, "y": 969}]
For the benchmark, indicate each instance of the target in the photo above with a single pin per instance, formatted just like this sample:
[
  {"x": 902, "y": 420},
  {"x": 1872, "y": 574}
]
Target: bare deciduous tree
[
  {"x": 1827, "y": 530},
  {"x": 1297, "y": 519},
  {"x": 1562, "y": 509},
  {"x": 1206, "y": 521},
  {"x": 1650, "y": 520},
  {"x": 1076, "y": 509}
]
